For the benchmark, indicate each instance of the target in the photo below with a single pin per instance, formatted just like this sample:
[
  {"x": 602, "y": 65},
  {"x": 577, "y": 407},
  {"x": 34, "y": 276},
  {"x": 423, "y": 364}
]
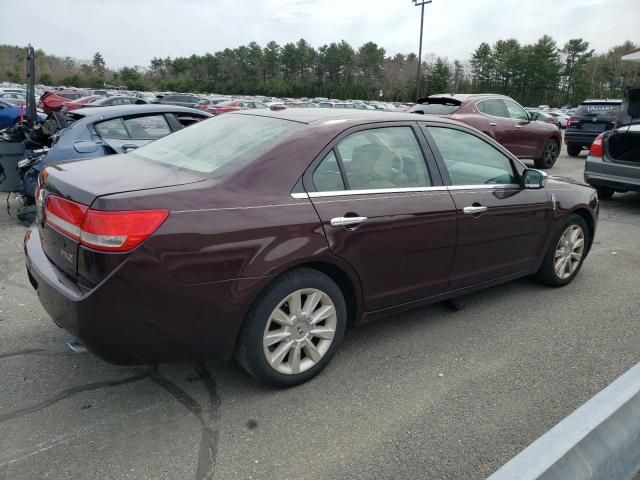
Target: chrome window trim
[
  {"x": 371, "y": 191},
  {"x": 484, "y": 186}
]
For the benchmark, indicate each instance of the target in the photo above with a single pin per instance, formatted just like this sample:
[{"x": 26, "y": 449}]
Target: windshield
[
  {"x": 220, "y": 145},
  {"x": 591, "y": 109}
]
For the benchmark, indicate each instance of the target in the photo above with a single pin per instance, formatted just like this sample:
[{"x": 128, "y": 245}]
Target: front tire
[
  {"x": 574, "y": 150},
  {"x": 566, "y": 253},
  {"x": 293, "y": 329},
  {"x": 549, "y": 156}
]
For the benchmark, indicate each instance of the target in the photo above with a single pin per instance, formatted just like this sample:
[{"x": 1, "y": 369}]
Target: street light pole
[{"x": 420, "y": 4}]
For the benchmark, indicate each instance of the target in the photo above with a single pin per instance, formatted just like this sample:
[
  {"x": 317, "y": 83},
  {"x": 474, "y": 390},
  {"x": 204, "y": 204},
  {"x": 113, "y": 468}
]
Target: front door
[
  {"x": 501, "y": 226},
  {"x": 386, "y": 213},
  {"x": 527, "y": 139}
]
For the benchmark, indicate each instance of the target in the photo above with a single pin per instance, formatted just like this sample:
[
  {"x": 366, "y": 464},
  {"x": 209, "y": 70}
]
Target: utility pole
[{"x": 421, "y": 4}]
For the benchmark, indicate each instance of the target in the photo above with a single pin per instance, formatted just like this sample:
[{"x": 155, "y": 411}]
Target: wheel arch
[
  {"x": 589, "y": 220},
  {"x": 339, "y": 271}
]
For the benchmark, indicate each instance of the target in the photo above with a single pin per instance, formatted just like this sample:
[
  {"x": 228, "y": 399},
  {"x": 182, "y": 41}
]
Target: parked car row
[{"x": 96, "y": 132}]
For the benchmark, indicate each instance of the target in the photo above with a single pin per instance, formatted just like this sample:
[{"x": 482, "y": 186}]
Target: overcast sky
[{"x": 131, "y": 32}]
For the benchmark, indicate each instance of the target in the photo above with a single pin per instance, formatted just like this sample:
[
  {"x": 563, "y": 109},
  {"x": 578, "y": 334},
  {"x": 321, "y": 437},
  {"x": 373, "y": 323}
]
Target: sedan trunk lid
[{"x": 80, "y": 183}]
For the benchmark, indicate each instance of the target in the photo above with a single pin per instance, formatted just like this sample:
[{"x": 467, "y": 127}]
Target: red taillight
[
  {"x": 119, "y": 231},
  {"x": 65, "y": 216},
  {"x": 596, "y": 146},
  {"x": 111, "y": 231}
]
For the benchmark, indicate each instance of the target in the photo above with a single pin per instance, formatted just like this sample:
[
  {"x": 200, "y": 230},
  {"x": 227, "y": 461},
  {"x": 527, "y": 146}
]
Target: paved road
[{"x": 430, "y": 394}]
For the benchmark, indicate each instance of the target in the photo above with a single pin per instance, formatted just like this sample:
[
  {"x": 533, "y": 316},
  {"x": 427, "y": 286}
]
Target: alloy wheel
[
  {"x": 299, "y": 331},
  {"x": 569, "y": 251},
  {"x": 550, "y": 153}
]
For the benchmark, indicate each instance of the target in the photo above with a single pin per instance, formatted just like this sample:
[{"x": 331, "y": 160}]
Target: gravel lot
[{"x": 431, "y": 394}]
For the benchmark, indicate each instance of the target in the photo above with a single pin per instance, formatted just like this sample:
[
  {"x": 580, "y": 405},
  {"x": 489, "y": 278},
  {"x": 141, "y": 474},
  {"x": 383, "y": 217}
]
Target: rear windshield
[
  {"x": 220, "y": 145},
  {"x": 436, "y": 108},
  {"x": 605, "y": 109}
]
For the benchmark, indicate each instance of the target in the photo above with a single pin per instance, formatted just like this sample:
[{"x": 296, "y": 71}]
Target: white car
[{"x": 560, "y": 117}]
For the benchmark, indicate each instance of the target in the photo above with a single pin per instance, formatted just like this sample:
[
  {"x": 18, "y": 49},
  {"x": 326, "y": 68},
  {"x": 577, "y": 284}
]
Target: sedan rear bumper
[
  {"x": 618, "y": 176},
  {"x": 140, "y": 322},
  {"x": 579, "y": 137}
]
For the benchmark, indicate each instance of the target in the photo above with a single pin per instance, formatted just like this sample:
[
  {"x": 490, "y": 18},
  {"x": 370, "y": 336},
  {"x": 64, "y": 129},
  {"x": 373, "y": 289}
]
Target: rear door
[
  {"x": 501, "y": 226},
  {"x": 495, "y": 121},
  {"x": 384, "y": 210},
  {"x": 127, "y": 133}
]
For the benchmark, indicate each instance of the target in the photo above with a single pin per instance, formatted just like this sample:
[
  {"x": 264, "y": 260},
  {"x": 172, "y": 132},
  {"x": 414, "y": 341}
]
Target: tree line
[{"x": 539, "y": 73}]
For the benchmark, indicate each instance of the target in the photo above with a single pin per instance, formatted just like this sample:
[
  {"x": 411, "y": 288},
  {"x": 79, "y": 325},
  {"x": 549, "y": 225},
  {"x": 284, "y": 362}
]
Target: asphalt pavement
[{"x": 433, "y": 393}]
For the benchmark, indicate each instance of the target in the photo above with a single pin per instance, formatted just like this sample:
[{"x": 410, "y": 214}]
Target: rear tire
[
  {"x": 605, "y": 193},
  {"x": 549, "y": 156},
  {"x": 566, "y": 253},
  {"x": 282, "y": 343},
  {"x": 574, "y": 150}
]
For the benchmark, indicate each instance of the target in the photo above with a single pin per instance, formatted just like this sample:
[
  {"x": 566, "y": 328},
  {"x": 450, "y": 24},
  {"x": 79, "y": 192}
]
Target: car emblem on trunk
[
  {"x": 66, "y": 255},
  {"x": 594, "y": 119}
]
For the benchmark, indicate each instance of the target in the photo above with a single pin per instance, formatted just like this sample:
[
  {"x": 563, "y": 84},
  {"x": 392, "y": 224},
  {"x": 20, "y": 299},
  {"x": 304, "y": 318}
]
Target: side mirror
[
  {"x": 533, "y": 116},
  {"x": 532, "y": 178}
]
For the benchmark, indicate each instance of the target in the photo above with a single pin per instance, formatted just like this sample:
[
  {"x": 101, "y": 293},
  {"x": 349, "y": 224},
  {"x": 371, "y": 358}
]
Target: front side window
[
  {"x": 470, "y": 160},
  {"x": 494, "y": 107},
  {"x": 516, "y": 111},
  {"x": 220, "y": 145},
  {"x": 387, "y": 157}
]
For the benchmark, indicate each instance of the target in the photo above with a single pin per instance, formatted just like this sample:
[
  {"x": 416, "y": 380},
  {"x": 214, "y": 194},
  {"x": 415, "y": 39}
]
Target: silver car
[{"x": 613, "y": 164}]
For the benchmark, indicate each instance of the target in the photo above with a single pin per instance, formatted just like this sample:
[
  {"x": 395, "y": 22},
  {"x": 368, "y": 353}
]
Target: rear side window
[
  {"x": 595, "y": 109},
  {"x": 220, "y": 145},
  {"x": 150, "y": 127},
  {"x": 387, "y": 157},
  {"x": 112, "y": 129},
  {"x": 327, "y": 176},
  {"x": 470, "y": 160}
]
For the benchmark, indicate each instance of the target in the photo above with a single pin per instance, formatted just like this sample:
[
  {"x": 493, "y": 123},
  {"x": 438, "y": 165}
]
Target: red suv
[
  {"x": 52, "y": 101},
  {"x": 503, "y": 119}
]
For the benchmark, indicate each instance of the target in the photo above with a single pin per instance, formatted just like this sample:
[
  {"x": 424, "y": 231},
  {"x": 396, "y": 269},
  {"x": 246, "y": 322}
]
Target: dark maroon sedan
[
  {"x": 264, "y": 234},
  {"x": 503, "y": 119}
]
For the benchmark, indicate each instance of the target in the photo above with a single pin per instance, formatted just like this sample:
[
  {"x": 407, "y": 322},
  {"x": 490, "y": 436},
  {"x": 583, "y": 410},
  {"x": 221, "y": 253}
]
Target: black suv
[{"x": 591, "y": 118}]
